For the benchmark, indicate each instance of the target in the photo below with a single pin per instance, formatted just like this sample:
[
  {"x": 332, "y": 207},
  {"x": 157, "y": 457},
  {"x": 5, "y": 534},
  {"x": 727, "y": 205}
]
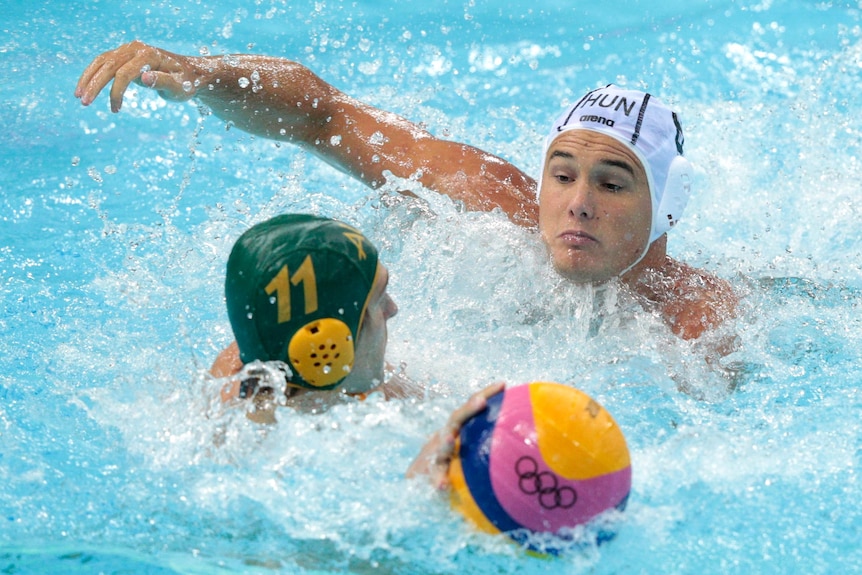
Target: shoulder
[
  {"x": 399, "y": 386},
  {"x": 227, "y": 363},
  {"x": 700, "y": 301},
  {"x": 692, "y": 301}
]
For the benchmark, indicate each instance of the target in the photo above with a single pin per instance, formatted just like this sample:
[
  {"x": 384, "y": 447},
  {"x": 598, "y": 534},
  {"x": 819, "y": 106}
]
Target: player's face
[
  {"x": 367, "y": 372},
  {"x": 595, "y": 210}
]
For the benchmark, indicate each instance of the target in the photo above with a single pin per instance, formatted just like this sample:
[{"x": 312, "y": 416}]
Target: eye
[
  {"x": 611, "y": 187},
  {"x": 563, "y": 175}
]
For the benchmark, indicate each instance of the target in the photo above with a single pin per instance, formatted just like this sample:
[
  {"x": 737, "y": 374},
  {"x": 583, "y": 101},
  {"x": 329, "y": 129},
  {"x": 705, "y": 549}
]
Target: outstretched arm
[{"x": 283, "y": 100}]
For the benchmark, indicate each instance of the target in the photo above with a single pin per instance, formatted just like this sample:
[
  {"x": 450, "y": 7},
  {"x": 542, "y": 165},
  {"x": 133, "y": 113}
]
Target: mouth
[{"x": 577, "y": 238}]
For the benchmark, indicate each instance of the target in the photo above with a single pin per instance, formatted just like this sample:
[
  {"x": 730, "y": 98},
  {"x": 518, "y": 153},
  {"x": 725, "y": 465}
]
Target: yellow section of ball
[
  {"x": 460, "y": 497},
  {"x": 577, "y": 437}
]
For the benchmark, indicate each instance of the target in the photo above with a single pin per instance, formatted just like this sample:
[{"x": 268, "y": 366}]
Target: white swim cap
[{"x": 649, "y": 129}]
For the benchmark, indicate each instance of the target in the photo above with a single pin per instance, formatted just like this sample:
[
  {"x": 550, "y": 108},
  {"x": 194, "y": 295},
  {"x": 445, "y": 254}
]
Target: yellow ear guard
[{"x": 321, "y": 352}]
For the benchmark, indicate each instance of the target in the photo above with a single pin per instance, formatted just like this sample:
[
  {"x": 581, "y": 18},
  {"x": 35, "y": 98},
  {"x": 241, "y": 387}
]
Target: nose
[
  {"x": 581, "y": 204},
  {"x": 391, "y": 308}
]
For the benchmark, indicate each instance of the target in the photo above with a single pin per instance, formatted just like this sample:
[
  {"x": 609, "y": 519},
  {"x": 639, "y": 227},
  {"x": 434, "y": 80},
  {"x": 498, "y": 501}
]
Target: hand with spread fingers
[
  {"x": 171, "y": 75},
  {"x": 436, "y": 455}
]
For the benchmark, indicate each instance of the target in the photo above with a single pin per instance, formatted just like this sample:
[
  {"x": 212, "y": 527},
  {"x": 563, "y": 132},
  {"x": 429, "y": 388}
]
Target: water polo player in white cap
[{"x": 613, "y": 179}]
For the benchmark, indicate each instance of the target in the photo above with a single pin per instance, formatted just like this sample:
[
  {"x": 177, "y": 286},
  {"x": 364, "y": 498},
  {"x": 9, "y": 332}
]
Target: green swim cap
[{"x": 297, "y": 287}]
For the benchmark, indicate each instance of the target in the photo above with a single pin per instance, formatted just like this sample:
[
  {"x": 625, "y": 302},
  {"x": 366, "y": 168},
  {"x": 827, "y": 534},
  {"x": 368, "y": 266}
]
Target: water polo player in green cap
[{"x": 307, "y": 302}]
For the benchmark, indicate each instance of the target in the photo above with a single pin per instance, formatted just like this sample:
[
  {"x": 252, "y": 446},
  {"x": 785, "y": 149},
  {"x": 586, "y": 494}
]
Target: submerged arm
[{"x": 283, "y": 100}]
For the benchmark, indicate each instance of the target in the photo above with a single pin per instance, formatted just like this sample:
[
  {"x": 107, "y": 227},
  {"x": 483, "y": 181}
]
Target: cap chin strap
[
  {"x": 322, "y": 352},
  {"x": 677, "y": 190}
]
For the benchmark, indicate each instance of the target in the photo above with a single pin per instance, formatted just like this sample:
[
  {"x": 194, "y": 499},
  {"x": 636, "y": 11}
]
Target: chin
[
  {"x": 363, "y": 386},
  {"x": 362, "y": 382},
  {"x": 578, "y": 274}
]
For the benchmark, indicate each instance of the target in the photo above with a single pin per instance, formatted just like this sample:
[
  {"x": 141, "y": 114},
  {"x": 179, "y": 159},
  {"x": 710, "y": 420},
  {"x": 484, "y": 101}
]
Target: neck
[
  {"x": 310, "y": 400},
  {"x": 641, "y": 277}
]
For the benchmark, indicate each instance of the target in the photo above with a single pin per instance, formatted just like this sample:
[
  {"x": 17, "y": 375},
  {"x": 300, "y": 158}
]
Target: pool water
[{"x": 115, "y": 456}]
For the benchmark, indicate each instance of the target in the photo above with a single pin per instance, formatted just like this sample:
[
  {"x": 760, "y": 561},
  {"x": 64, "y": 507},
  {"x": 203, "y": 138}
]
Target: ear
[{"x": 322, "y": 353}]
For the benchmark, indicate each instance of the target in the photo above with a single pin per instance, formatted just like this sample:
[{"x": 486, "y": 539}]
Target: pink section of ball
[{"x": 515, "y": 438}]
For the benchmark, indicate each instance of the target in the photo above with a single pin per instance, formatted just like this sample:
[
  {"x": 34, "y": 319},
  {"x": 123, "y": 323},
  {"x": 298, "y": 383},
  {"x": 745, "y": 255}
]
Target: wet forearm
[
  {"x": 283, "y": 100},
  {"x": 265, "y": 96}
]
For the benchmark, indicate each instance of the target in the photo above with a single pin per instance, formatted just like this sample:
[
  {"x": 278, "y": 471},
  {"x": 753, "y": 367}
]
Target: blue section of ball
[{"x": 474, "y": 451}]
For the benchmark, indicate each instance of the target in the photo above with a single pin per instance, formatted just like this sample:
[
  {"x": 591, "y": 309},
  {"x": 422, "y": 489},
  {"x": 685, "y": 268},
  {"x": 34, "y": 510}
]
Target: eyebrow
[{"x": 608, "y": 162}]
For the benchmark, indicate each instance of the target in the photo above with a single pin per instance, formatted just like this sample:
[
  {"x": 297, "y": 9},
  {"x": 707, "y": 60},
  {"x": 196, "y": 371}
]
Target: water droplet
[{"x": 243, "y": 82}]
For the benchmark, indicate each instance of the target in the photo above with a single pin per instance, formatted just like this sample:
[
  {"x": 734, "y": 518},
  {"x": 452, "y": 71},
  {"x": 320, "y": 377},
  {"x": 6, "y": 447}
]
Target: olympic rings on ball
[{"x": 542, "y": 458}]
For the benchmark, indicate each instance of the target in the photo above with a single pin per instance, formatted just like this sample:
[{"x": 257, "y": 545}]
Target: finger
[
  {"x": 149, "y": 79},
  {"x": 477, "y": 402},
  {"x": 95, "y": 77},
  {"x": 123, "y": 65},
  {"x": 86, "y": 75},
  {"x": 443, "y": 457},
  {"x": 493, "y": 389},
  {"x": 102, "y": 69},
  {"x": 125, "y": 75},
  {"x": 446, "y": 445},
  {"x": 95, "y": 80},
  {"x": 440, "y": 479},
  {"x": 169, "y": 86},
  {"x": 438, "y": 470}
]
